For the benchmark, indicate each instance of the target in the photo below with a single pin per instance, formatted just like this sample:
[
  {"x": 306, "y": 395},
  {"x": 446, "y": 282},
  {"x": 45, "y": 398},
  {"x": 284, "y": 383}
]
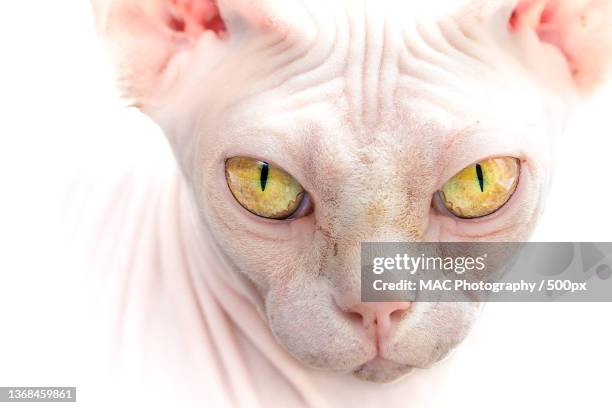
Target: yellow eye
[
  {"x": 262, "y": 189},
  {"x": 482, "y": 188}
]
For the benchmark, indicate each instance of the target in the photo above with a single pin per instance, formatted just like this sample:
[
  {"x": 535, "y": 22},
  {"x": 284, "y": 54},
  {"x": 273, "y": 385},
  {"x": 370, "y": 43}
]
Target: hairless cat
[{"x": 301, "y": 129}]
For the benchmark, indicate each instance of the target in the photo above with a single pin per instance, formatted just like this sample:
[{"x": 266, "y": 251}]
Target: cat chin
[{"x": 379, "y": 370}]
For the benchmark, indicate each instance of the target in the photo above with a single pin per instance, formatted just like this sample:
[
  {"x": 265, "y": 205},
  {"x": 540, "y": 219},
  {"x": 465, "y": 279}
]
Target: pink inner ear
[
  {"x": 536, "y": 14},
  {"x": 527, "y": 14},
  {"x": 196, "y": 16},
  {"x": 580, "y": 29},
  {"x": 541, "y": 16}
]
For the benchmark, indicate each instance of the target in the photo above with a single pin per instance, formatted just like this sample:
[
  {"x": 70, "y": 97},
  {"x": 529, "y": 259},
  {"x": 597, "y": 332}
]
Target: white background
[{"x": 59, "y": 112}]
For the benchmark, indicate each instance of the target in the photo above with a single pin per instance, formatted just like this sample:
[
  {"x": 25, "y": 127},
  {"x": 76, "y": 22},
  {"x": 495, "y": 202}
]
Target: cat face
[{"x": 307, "y": 128}]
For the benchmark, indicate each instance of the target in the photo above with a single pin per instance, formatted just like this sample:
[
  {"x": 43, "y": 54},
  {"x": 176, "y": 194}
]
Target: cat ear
[
  {"x": 580, "y": 29},
  {"x": 144, "y": 36}
]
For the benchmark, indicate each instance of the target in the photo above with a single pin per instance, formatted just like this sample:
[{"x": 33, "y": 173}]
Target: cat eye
[
  {"x": 482, "y": 188},
  {"x": 263, "y": 189}
]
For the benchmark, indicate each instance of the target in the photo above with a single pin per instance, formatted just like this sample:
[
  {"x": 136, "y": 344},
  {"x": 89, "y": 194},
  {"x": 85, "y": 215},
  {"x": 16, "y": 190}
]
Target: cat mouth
[{"x": 380, "y": 370}]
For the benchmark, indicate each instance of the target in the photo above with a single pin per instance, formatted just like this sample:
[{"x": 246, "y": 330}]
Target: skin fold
[{"x": 372, "y": 106}]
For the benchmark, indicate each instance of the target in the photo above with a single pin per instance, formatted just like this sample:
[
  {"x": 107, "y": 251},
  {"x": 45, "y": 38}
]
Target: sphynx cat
[{"x": 372, "y": 106}]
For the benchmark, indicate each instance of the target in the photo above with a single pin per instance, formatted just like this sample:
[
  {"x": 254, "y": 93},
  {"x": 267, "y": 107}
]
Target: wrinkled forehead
[
  {"x": 297, "y": 13},
  {"x": 329, "y": 129},
  {"x": 363, "y": 80},
  {"x": 372, "y": 75}
]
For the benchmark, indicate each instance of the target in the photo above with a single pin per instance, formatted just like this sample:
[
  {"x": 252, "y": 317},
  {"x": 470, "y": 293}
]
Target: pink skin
[
  {"x": 194, "y": 17},
  {"x": 372, "y": 106}
]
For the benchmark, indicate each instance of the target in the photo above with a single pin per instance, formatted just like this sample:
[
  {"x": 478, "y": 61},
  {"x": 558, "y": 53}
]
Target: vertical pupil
[
  {"x": 480, "y": 176},
  {"x": 263, "y": 178}
]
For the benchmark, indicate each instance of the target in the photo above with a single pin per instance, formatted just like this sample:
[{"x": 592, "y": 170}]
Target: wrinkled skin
[{"x": 372, "y": 106}]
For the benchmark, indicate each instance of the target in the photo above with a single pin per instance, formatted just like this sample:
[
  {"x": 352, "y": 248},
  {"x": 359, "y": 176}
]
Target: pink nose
[{"x": 380, "y": 314}]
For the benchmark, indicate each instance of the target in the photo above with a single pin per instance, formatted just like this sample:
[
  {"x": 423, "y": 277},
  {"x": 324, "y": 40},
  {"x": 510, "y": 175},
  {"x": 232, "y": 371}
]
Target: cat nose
[{"x": 381, "y": 315}]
